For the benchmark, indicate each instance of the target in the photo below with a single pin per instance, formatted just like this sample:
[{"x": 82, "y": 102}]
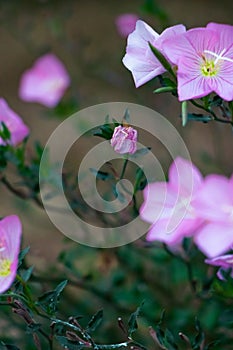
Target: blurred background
[{"x": 84, "y": 35}]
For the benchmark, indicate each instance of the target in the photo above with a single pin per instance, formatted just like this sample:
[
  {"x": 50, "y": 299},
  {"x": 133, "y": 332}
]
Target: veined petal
[
  {"x": 214, "y": 201},
  {"x": 158, "y": 202},
  {"x": 222, "y": 84},
  {"x": 160, "y": 232},
  {"x": 170, "y": 33},
  {"x": 184, "y": 177},
  {"x": 214, "y": 239},
  {"x": 225, "y": 31}
]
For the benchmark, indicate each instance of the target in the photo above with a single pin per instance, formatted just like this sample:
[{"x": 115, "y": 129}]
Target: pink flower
[
  {"x": 204, "y": 57},
  {"x": 139, "y": 58},
  {"x": 45, "y": 82},
  {"x": 124, "y": 139},
  {"x": 214, "y": 204},
  {"x": 168, "y": 206},
  {"x": 126, "y": 24},
  {"x": 14, "y": 124},
  {"x": 10, "y": 235},
  {"x": 225, "y": 262}
]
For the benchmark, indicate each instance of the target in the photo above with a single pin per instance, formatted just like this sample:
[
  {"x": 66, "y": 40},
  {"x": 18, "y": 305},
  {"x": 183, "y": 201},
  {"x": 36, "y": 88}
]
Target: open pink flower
[
  {"x": 168, "y": 206},
  {"x": 14, "y": 124},
  {"x": 10, "y": 236},
  {"x": 204, "y": 57},
  {"x": 139, "y": 58},
  {"x": 126, "y": 23},
  {"x": 45, "y": 82},
  {"x": 214, "y": 204},
  {"x": 124, "y": 139},
  {"x": 225, "y": 262}
]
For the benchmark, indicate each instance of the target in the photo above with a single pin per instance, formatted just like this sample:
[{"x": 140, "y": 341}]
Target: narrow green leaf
[
  {"x": 132, "y": 322},
  {"x": 164, "y": 89},
  {"x": 162, "y": 60},
  {"x": 184, "y": 112},
  {"x": 95, "y": 321}
]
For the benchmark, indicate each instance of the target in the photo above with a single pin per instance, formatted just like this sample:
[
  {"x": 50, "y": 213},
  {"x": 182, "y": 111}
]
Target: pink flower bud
[{"x": 124, "y": 139}]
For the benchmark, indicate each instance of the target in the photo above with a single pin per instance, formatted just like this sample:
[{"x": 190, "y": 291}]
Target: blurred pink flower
[
  {"x": 126, "y": 23},
  {"x": 10, "y": 236},
  {"x": 204, "y": 57},
  {"x": 14, "y": 124},
  {"x": 45, "y": 82},
  {"x": 139, "y": 58},
  {"x": 214, "y": 204},
  {"x": 168, "y": 206},
  {"x": 124, "y": 139},
  {"x": 225, "y": 262}
]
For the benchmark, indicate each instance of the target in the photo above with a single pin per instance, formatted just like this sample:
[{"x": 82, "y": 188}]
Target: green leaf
[
  {"x": 184, "y": 112},
  {"x": 164, "y": 89},
  {"x": 49, "y": 300},
  {"x": 162, "y": 60},
  {"x": 8, "y": 347},
  {"x": 68, "y": 344},
  {"x": 101, "y": 175},
  {"x": 140, "y": 180},
  {"x": 95, "y": 321},
  {"x": 126, "y": 116},
  {"x": 132, "y": 322},
  {"x": 27, "y": 273},
  {"x": 22, "y": 255},
  {"x": 170, "y": 340},
  {"x": 199, "y": 117},
  {"x": 200, "y": 336},
  {"x": 5, "y": 133}
]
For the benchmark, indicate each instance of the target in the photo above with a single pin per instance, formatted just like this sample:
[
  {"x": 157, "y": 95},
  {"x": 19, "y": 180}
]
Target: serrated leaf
[
  {"x": 132, "y": 322},
  {"x": 95, "y": 321}
]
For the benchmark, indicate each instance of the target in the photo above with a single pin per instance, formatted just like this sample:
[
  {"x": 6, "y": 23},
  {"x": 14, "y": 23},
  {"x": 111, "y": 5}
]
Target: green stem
[{"x": 124, "y": 168}]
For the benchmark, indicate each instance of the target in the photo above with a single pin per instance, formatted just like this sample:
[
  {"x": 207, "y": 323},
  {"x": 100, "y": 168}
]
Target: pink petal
[
  {"x": 45, "y": 82},
  {"x": 184, "y": 177},
  {"x": 139, "y": 58},
  {"x": 13, "y": 122},
  {"x": 160, "y": 231},
  {"x": 158, "y": 202},
  {"x": 214, "y": 239},
  {"x": 126, "y": 23},
  {"x": 10, "y": 232},
  {"x": 215, "y": 199}
]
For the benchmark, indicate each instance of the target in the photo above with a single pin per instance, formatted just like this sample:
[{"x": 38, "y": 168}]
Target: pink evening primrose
[
  {"x": 124, "y": 139},
  {"x": 126, "y": 23},
  {"x": 10, "y": 235},
  {"x": 204, "y": 57},
  {"x": 139, "y": 58},
  {"x": 214, "y": 204},
  {"x": 45, "y": 82},
  {"x": 168, "y": 206},
  {"x": 225, "y": 262},
  {"x": 14, "y": 124}
]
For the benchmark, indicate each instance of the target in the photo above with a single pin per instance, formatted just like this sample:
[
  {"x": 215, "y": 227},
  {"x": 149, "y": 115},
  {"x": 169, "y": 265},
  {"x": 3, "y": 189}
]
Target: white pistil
[{"x": 220, "y": 56}]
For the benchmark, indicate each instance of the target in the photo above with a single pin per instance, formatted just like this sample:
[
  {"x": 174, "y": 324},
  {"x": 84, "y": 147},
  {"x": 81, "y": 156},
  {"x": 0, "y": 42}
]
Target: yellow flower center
[
  {"x": 210, "y": 66},
  {"x": 5, "y": 267}
]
